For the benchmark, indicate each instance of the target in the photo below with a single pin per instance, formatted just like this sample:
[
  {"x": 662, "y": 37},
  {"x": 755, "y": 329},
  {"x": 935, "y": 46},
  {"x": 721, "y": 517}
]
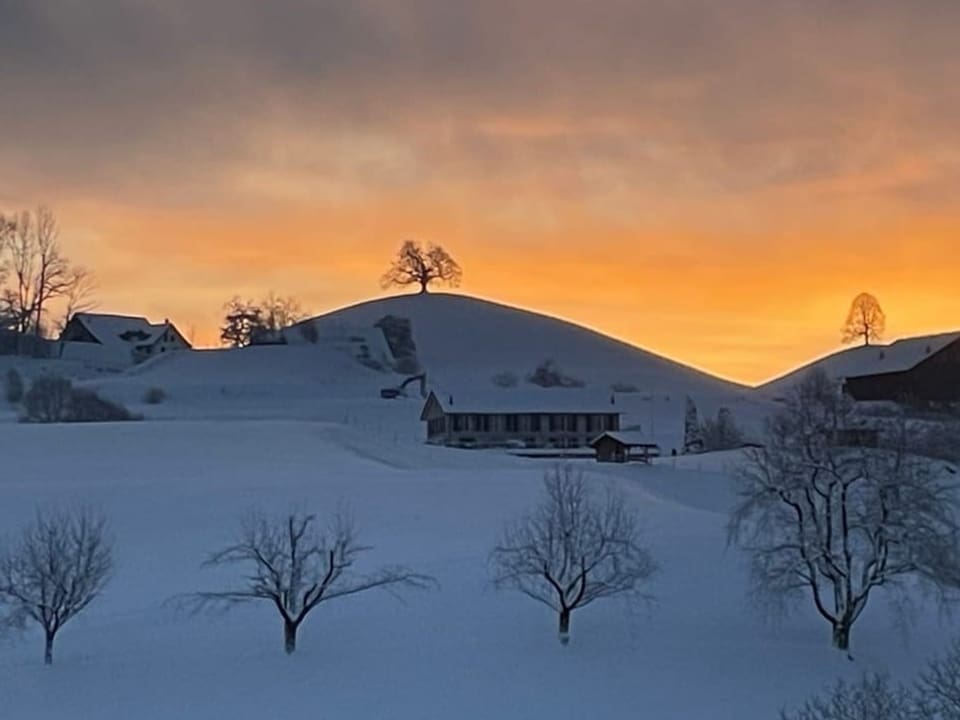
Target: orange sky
[{"x": 711, "y": 183}]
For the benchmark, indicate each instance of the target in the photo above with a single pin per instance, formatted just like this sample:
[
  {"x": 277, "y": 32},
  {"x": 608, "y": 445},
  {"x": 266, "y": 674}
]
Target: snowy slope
[
  {"x": 175, "y": 490},
  {"x": 466, "y": 340}
]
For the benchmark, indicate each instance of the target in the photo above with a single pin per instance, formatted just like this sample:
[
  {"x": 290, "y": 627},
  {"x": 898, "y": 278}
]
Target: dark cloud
[{"x": 175, "y": 100}]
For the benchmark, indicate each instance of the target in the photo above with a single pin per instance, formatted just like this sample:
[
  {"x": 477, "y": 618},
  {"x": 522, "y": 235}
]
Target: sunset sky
[{"x": 713, "y": 181}]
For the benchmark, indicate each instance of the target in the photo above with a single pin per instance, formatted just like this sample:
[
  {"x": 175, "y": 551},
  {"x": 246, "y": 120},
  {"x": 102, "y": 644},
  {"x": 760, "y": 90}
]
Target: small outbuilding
[{"x": 624, "y": 446}]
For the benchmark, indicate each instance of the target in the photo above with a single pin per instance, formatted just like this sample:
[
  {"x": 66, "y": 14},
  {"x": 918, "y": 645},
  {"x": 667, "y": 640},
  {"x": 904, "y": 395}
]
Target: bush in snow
[
  {"x": 548, "y": 375},
  {"x": 47, "y": 400},
  {"x": 87, "y": 406},
  {"x": 54, "y": 399},
  {"x": 938, "y": 688},
  {"x": 573, "y": 549},
  {"x": 308, "y": 331},
  {"x": 57, "y": 566},
  {"x": 13, "y": 387},
  {"x": 294, "y": 565},
  {"x": 154, "y": 396},
  {"x": 873, "y": 697},
  {"x": 505, "y": 380}
]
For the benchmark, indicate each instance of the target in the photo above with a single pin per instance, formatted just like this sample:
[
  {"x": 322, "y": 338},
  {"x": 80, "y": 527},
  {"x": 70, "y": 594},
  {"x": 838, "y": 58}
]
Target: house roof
[
  {"x": 899, "y": 356},
  {"x": 110, "y": 329},
  {"x": 630, "y": 438},
  {"x": 527, "y": 401}
]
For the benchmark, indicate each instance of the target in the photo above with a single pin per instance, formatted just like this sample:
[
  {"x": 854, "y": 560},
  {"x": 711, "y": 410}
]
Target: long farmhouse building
[
  {"x": 540, "y": 419},
  {"x": 921, "y": 369}
]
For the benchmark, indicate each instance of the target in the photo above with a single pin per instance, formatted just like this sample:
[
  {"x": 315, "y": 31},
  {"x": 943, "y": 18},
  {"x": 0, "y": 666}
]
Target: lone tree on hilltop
[
  {"x": 59, "y": 565},
  {"x": 865, "y": 320},
  {"x": 419, "y": 265},
  {"x": 294, "y": 565},
  {"x": 823, "y": 515},
  {"x": 573, "y": 549}
]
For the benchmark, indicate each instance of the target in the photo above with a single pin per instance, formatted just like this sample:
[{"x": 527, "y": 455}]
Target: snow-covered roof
[
  {"x": 528, "y": 401},
  {"x": 898, "y": 356},
  {"x": 630, "y": 438},
  {"x": 110, "y": 330}
]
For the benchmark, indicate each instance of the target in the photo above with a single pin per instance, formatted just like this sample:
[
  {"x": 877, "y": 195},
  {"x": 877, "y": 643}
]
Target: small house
[
  {"x": 556, "y": 418},
  {"x": 615, "y": 446},
  {"x": 118, "y": 340}
]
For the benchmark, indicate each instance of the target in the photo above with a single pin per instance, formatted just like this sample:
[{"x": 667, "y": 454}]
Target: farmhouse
[
  {"x": 533, "y": 419},
  {"x": 118, "y": 340},
  {"x": 921, "y": 369},
  {"x": 624, "y": 446}
]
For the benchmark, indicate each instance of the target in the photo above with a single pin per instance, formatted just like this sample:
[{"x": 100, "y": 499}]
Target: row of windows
[{"x": 524, "y": 423}]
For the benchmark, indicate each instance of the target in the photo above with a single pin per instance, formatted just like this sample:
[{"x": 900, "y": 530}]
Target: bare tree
[
  {"x": 241, "y": 321},
  {"x": 280, "y": 312},
  {"x": 418, "y": 265},
  {"x": 573, "y": 549},
  {"x": 37, "y": 271},
  {"x": 247, "y": 322},
  {"x": 58, "y": 566},
  {"x": 865, "y": 320},
  {"x": 78, "y": 297},
  {"x": 292, "y": 564},
  {"x": 823, "y": 517}
]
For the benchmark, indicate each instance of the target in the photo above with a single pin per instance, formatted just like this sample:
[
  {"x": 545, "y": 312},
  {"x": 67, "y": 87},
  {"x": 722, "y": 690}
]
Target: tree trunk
[
  {"x": 841, "y": 635},
  {"x": 423, "y": 287},
  {"x": 48, "y": 649},
  {"x": 564, "y": 627},
  {"x": 289, "y": 636}
]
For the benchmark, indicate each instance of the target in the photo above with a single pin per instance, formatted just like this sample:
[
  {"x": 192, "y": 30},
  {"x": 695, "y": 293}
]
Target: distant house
[
  {"x": 533, "y": 419},
  {"x": 921, "y": 369},
  {"x": 120, "y": 340},
  {"x": 624, "y": 446}
]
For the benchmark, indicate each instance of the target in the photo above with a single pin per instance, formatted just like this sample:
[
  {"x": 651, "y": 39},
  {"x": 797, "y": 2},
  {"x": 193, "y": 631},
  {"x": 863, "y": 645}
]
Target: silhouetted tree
[
  {"x": 416, "y": 265},
  {"x": 873, "y": 697},
  {"x": 722, "y": 433},
  {"x": 36, "y": 270},
  {"x": 824, "y": 517},
  {"x": 78, "y": 297},
  {"x": 573, "y": 549},
  {"x": 59, "y": 565},
  {"x": 241, "y": 321},
  {"x": 865, "y": 320},
  {"x": 294, "y": 566},
  {"x": 246, "y": 322}
]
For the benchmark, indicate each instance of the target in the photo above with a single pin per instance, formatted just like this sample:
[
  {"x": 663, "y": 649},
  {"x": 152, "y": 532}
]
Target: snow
[{"x": 303, "y": 427}]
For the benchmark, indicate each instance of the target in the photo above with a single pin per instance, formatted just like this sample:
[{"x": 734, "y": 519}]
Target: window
[
  {"x": 535, "y": 423},
  {"x": 511, "y": 423}
]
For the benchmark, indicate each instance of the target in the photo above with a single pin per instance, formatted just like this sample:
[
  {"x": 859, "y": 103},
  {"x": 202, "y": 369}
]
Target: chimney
[
  {"x": 450, "y": 401},
  {"x": 613, "y": 399}
]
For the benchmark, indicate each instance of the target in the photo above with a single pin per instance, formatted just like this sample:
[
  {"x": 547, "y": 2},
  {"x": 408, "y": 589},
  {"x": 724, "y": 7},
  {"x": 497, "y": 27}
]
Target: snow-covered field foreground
[{"x": 174, "y": 491}]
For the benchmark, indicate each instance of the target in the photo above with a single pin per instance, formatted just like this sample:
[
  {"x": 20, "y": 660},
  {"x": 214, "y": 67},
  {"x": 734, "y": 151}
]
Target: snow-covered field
[
  {"x": 281, "y": 428},
  {"x": 174, "y": 490}
]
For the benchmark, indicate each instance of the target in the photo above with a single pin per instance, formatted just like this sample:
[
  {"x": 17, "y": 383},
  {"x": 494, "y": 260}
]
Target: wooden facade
[
  {"x": 525, "y": 426},
  {"x": 614, "y": 447},
  {"x": 934, "y": 379}
]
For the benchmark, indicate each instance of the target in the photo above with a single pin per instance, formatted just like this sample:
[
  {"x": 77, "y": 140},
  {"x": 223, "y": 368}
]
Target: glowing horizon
[{"x": 711, "y": 183}]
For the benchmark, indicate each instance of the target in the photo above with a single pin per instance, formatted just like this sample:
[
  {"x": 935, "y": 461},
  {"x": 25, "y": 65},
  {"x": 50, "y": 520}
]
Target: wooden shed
[{"x": 624, "y": 446}]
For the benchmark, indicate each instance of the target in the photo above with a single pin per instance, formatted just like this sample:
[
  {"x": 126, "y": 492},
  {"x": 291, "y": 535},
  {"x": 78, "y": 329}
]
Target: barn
[
  {"x": 534, "y": 419},
  {"x": 922, "y": 370}
]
